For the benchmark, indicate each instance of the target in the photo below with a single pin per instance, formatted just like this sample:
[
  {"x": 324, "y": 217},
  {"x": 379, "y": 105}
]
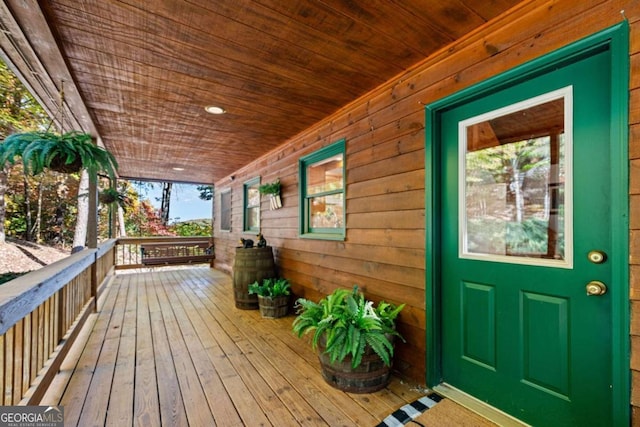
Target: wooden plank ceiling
[{"x": 145, "y": 70}]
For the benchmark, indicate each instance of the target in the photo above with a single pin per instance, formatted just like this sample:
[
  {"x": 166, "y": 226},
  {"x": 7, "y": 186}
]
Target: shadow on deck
[{"x": 168, "y": 347}]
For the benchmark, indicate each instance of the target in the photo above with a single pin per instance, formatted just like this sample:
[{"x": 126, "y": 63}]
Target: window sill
[{"x": 322, "y": 236}]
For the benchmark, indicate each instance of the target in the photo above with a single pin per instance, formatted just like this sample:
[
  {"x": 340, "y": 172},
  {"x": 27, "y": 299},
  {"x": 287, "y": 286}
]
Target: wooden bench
[{"x": 163, "y": 253}]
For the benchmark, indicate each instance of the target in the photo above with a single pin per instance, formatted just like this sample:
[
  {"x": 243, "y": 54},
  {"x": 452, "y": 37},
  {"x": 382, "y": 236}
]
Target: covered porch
[
  {"x": 118, "y": 343},
  {"x": 168, "y": 347},
  {"x": 295, "y": 79}
]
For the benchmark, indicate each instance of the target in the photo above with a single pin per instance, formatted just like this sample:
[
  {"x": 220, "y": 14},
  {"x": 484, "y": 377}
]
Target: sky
[{"x": 185, "y": 203}]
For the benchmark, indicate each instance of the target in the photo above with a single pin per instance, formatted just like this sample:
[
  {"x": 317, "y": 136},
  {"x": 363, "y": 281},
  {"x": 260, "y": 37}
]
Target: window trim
[
  {"x": 305, "y": 231},
  {"x": 253, "y": 182}
]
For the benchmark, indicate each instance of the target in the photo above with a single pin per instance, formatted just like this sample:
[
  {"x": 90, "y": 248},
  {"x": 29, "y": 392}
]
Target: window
[
  {"x": 515, "y": 185},
  {"x": 252, "y": 205},
  {"x": 225, "y": 210},
  {"x": 322, "y": 213}
]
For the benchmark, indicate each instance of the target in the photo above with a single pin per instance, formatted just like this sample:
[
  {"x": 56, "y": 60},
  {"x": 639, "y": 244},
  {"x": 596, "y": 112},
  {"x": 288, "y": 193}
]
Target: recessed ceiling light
[
  {"x": 178, "y": 169},
  {"x": 214, "y": 109}
]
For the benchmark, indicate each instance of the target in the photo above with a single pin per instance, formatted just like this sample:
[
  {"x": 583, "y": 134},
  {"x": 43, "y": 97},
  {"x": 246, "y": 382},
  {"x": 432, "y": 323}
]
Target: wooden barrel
[
  {"x": 370, "y": 376},
  {"x": 273, "y": 308},
  {"x": 250, "y": 265}
]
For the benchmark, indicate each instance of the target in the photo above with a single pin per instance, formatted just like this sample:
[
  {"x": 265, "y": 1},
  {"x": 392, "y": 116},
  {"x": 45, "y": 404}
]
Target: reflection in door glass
[{"x": 514, "y": 183}]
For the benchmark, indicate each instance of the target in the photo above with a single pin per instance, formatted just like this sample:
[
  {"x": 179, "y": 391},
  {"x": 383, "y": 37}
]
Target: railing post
[
  {"x": 94, "y": 283},
  {"x": 63, "y": 299},
  {"x": 92, "y": 224}
]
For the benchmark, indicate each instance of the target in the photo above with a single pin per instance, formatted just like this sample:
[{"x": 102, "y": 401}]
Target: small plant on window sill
[{"x": 273, "y": 190}]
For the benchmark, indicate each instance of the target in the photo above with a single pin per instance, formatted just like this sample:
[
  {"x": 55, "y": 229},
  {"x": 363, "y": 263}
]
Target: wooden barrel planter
[
  {"x": 250, "y": 265},
  {"x": 273, "y": 308},
  {"x": 370, "y": 376}
]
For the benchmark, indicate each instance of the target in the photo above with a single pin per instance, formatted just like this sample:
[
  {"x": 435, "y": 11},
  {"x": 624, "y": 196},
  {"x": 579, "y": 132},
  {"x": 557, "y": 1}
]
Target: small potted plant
[
  {"x": 66, "y": 153},
  {"x": 273, "y": 190},
  {"x": 353, "y": 337},
  {"x": 273, "y": 296}
]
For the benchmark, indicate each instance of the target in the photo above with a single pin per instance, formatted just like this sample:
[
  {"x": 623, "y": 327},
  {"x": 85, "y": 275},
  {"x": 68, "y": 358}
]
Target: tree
[
  {"x": 18, "y": 112},
  {"x": 206, "y": 192},
  {"x": 82, "y": 221},
  {"x": 165, "y": 204},
  {"x": 508, "y": 197}
]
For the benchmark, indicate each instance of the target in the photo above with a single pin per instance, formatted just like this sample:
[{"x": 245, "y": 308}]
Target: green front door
[{"x": 525, "y": 249}]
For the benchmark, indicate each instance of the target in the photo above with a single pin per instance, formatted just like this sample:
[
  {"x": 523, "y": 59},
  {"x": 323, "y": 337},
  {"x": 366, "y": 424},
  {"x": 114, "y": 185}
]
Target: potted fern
[
  {"x": 111, "y": 195},
  {"x": 273, "y": 190},
  {"x": 66, "y": 153},
  {"x": 273, "y": 296},
  {"x": 353, "y": 337}
]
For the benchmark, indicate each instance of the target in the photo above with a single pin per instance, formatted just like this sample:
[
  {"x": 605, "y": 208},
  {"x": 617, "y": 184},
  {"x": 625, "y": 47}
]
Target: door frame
[{"x": 616, "y": 39}]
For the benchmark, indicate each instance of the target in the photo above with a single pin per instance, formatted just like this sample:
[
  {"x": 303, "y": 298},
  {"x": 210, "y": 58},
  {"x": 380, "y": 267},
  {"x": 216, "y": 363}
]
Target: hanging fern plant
[{"x": 67, "y": 153}]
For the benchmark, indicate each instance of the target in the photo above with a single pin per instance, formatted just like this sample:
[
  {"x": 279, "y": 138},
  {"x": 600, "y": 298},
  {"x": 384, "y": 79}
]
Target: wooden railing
[
  {"x": 138, "y": 252},
  {"x": 41, "y": 314}
]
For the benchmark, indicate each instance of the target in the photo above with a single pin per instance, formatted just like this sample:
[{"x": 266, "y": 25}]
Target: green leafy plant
[
  {"x": 67, "y": 153},
  {"x": 270, "y": 187},
  {"x": 111, "y": 195},
  {"x": 7, "y": 277},
  {"x": 345, "y": 323},
  {"x": 195, "y": 227},
  {"x": 271, "y": 288}
]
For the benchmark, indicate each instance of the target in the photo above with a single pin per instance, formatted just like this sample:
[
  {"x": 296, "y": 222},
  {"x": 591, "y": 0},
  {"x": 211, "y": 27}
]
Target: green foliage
[
  {"x": 41, "y": 208},
  {"x": 6, "y": 277},
  {"x": 19, "y": 111},
  {"x": 112, "y": 195},
  {"x": 270, "y": 187},
  {"x": 143, "y": 220},
  {"x": 40, "y": 150},
  {"x": 206, "y": 192},
  {"x": 200, "y": 227},
  {"x": 271, "y": 288},
  {"x": 16, "y": 226},
  {"x": 344, "y": 322}
]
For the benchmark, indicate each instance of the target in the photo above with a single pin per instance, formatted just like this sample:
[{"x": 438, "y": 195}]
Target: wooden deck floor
[{"x": 169, "y": 348}]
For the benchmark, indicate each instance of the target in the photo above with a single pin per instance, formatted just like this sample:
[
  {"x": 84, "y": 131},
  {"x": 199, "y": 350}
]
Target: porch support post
[
  {"x": 92, "y": 235},
  {"x": 92, "y": 224},
  {"x": 113, "y": 210}
]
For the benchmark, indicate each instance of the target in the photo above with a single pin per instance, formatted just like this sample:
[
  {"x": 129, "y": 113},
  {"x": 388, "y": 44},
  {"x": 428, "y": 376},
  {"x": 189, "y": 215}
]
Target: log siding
[{"x": 384, "y": 249}]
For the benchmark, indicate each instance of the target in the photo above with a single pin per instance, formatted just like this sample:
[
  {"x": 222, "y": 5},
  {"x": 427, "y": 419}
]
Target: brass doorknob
[
  {"x": 596, "y": 287},
  {"x": 597, "y": 257}
]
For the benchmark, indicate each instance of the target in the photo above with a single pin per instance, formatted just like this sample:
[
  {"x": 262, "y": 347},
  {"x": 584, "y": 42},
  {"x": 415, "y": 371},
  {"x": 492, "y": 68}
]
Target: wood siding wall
[{"x": 384, "y": 250}]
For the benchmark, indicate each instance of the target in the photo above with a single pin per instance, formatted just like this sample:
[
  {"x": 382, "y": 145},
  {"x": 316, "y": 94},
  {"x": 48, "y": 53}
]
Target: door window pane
[{"x": 516, "y": 182}]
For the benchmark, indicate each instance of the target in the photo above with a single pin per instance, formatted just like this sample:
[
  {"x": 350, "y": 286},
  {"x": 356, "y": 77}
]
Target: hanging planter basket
[
  {"x": 108, "y": 196},
  {"x": 273, "y": 190},
  {"x": 58, "y": 164},
  {"x": 67, "y": 153},
  {"x": 275, "y": 202}
]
